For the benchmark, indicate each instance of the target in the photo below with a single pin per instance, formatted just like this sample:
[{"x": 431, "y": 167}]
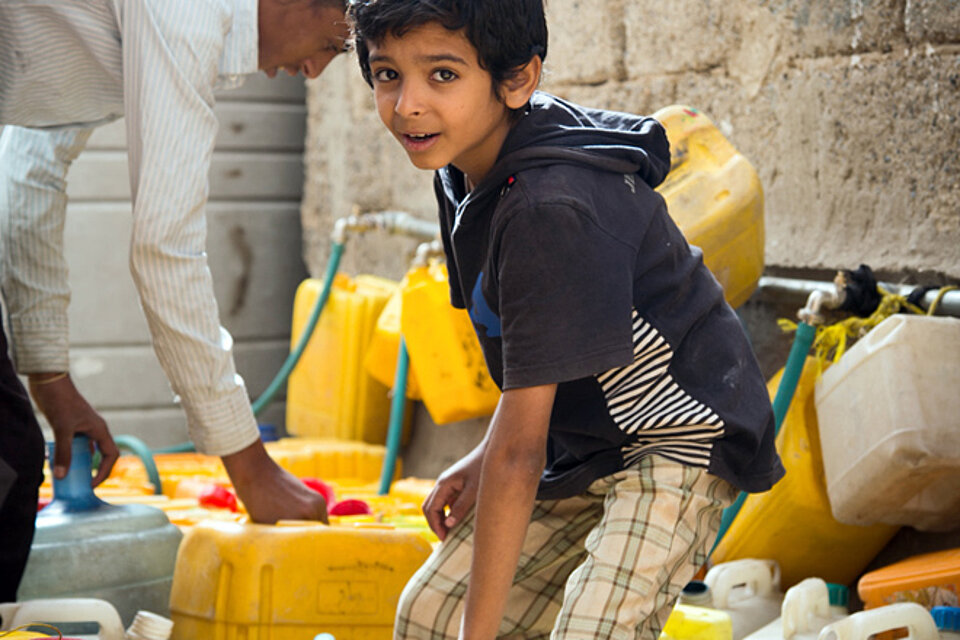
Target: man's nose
[{"x": 314, "y": 65}]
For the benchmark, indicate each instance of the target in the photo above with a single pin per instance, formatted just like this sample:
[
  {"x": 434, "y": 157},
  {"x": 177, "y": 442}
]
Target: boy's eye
[
  {"x": 444, "y": 75},
  {"x": 384, "y": 75}
]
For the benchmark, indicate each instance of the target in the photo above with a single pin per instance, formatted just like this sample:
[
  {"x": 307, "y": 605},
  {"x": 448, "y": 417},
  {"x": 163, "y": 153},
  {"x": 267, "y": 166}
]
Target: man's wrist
[{"x": 47, "y": 377}]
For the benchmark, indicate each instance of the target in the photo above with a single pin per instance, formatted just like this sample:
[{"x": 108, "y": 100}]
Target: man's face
[{"x": 299, "y": 37}]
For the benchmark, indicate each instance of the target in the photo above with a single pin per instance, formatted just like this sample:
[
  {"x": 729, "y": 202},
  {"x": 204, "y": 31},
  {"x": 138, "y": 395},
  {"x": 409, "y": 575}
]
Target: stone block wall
[{"x": 849, "y": 110}]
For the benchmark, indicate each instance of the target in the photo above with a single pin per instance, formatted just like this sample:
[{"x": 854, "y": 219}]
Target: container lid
[
  {"x": 839, "y": 594},
  {"x": 947, "y": 618},
  {"x": 268, "y": 432},
  {"x": 926, "y": 570}
]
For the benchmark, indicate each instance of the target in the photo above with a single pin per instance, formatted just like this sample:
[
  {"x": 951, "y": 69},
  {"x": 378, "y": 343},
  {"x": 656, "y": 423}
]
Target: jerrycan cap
[
  {"x": 947, "y": 618},
  {"x": 839, "y": 595}
]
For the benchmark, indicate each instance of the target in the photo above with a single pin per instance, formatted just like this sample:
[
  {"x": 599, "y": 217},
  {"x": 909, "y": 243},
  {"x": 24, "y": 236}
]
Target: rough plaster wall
[{"x": 849, "y": 110}]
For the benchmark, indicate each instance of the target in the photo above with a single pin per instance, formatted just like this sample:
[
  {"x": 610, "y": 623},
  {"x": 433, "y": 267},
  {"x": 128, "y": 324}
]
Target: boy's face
[{"x": 434, "y": 97}]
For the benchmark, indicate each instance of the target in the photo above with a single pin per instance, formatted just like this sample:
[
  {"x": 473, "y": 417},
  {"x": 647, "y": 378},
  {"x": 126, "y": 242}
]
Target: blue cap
[
  {"x": 839, "y": 595},
  {"x": 268, "y": 432},
  {"x": 947, "y": 618}
]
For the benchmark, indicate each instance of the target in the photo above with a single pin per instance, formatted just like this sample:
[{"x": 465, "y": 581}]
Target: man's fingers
[
  {"x": 61, "y": 453},
  {"x": 108, "y": 457}
]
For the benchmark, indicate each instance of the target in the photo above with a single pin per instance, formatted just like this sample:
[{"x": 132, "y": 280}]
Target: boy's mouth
[{"x": 418, "y": 141}]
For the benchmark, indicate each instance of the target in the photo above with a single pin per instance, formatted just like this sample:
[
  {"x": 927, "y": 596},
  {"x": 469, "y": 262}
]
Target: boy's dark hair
[{"x": 505, "y": 33}]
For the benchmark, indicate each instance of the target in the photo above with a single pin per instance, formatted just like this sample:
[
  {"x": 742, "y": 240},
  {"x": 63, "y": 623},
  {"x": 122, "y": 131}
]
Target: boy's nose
[{"x": 409, "y": 103}]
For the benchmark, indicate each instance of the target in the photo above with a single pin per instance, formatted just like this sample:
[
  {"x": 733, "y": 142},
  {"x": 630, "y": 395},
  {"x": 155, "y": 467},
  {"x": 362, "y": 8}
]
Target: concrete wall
[{"x": 849, "y": 110}]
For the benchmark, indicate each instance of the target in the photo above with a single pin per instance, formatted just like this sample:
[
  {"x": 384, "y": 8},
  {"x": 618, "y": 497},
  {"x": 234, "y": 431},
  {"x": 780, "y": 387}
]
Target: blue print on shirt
[{"x": 481, "y": 313}]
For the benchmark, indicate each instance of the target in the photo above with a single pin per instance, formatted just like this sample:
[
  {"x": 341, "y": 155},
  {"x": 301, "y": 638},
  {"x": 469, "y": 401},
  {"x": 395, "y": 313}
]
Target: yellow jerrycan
[
  {"x": 444, "y": 350},
  {"x": 330, "y": 394},
  {"x": 291, "y": 581},
  {"x": 792, "y": 523},
  {"x": 690, "y": 622},
  {"x": 381, "y": 360},
  {"x": 715, "y": 197}
]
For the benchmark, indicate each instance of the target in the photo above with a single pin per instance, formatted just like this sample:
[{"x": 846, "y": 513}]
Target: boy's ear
[{"x": 518, "y": 89}]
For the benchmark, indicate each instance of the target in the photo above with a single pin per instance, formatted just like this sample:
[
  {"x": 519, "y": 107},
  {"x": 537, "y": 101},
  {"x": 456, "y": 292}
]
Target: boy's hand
[{"x": 456, "y": 488}]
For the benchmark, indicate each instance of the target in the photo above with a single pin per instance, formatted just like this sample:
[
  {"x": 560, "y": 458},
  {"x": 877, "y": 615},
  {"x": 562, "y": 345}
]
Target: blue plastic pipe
[
  {"x": 802, "y": 341},
  {"x": 395, "y": 428}
]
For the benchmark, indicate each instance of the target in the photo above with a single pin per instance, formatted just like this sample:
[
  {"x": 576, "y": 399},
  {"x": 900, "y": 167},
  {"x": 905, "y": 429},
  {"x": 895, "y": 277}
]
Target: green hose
[
  {"x": 278, "y": 380},
  {"x": 802, "y": 341},
  {"x": 139, "y": 448},
  {"x": 395, "y": 428}
]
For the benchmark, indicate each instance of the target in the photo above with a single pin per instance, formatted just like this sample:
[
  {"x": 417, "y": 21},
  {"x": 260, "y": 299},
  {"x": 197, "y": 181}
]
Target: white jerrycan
[
  {"x": 747, "y": 589},
  {"x": 59, "y": 610},
  {"x": 806, "y": 610},
  {"x": 860, "y": 626}
]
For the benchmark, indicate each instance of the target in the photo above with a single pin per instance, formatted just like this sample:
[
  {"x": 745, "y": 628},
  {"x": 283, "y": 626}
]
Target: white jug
[
  {"x": 860, "y": 626},
  {"x": 806, "y": 610},
  {"x": 59, "y": 610},
  {"x": 747, "y": 589}
]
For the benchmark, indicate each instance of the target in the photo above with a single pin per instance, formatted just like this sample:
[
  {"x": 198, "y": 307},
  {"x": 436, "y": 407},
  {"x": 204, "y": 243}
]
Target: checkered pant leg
[{"x": 566, "y": 585}]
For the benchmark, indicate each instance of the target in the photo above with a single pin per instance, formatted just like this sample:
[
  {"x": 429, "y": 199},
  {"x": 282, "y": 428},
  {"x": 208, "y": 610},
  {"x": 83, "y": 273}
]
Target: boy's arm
[{"x": 512, "y": 464}]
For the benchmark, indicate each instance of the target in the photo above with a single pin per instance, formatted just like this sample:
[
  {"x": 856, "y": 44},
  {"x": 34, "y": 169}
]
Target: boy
[{"x": 632, "y": 404}]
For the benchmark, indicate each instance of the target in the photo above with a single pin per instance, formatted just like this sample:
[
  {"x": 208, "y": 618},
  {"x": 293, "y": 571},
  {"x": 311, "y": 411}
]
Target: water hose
[
  {"x": 278, "y": 380},
  {"x": 395, "y": 428},
  {"x": 140, "y": 449}
]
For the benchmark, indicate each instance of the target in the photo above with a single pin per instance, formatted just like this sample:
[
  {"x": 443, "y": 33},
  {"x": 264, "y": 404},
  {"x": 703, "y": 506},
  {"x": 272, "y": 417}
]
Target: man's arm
[
  {"x": 512, "y": 464},
  {"x": 170, "y": 56},
  {"x": 33, "y": 170}
]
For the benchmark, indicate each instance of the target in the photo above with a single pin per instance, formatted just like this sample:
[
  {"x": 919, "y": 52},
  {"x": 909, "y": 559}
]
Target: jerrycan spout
[{"x": 74, "y": 493}]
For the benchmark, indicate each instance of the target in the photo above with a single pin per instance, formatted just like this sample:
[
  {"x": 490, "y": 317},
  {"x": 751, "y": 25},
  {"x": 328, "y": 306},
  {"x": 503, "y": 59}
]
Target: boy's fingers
[
  {"x": 461, "y": 507},
  {"x": 434, "y": 508}
]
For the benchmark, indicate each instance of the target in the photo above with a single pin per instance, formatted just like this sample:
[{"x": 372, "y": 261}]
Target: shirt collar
[{"x": 241, "y": 46}]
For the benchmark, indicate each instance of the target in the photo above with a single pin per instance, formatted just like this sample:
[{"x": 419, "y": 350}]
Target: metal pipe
[
  {"x": 425, "y": 251},
  {"x": 794, "y": 290},
  {"x": 397, "y": 222}
]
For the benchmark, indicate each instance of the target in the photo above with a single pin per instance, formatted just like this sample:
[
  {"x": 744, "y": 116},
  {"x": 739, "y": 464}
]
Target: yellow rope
[
  {"x": 27, "y": 627},
  {"x": 830, "y": 341}
]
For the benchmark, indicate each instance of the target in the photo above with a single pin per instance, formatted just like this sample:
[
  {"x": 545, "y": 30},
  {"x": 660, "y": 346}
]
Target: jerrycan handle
[
  {"x": 758, "y": 576},
  {"x": 860, "y": 626},
  {"x": 73, "y": 492},
  {"x": 56, "y": 610},
  {"x": 807, "y": 599}
]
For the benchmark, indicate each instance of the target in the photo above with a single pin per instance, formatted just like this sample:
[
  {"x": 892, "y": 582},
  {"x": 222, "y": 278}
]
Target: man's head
[
  {"x": 450, "y": 77},
  {"x": 300, "y": 35},
  {"x": 505, "y": 33}
]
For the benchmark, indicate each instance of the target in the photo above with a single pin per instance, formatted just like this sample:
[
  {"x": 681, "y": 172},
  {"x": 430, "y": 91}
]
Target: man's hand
[
  {"x": 268, "y": 492},
  {"x": 456, "y": 488},
  {"x": 69, "y": 413}
]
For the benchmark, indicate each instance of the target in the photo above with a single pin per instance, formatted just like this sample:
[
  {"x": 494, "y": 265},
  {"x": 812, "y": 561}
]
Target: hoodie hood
[{"x": 554, "y": 131}]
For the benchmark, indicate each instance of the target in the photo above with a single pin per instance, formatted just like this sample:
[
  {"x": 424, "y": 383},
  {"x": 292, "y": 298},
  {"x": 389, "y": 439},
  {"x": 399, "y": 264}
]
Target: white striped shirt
[{"x": 68, "y": 66}]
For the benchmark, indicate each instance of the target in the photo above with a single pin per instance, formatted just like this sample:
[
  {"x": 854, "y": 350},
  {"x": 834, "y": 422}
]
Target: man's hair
[{"x": 507, "y": 34}]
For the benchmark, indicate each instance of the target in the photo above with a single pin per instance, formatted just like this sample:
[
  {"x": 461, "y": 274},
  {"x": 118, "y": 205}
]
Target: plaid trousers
[{"x": 608, "y": 563}]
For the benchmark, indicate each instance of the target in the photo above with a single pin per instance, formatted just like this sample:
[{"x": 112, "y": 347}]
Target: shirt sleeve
[
  {"x": 170, "y": 55},
  {"x": 565, "y": 297},
  {"x": 33, "y": 169}
]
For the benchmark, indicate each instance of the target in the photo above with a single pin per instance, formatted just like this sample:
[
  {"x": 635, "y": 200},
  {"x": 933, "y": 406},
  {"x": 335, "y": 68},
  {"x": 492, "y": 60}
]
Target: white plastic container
[
  {"x": 149, "y": 626},
  {"x": 62, "y": 610},
  {"x": 747, "y": 589},
  {"x": 889, "y": 415},
  {"x": 806, "y": 610},
  {"x": 904, "y": 615}
]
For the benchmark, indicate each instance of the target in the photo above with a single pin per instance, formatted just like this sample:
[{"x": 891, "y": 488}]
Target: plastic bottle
[
  {"x": 806, "y": 610},
  {"x": 904, "y": 615},
  {"x": 696, "y": 593},
  {"x": 947, "y": 620},
  {"x": 149, "y": 626},
  {"x": 747, "y": 589},
  {"x": 84, "y": 547}
]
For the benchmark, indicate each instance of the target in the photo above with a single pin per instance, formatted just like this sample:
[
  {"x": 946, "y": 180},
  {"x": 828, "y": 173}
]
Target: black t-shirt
[{"x": 574, "y": 274}]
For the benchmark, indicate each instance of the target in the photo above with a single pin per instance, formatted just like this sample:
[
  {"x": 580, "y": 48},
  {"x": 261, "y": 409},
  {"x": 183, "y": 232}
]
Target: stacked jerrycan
[
  {"x": 806, "y": 610},
  {"x": 748, "y": 590},
  {"x": 792, "y": 523},
  {"x": 929, "y": 579},
  {"x": 888, "y": 423},
  {"x": 886, "y": 622},
  {"x": 329, "y": 393},
  {"x": 84, "y": 547}
]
